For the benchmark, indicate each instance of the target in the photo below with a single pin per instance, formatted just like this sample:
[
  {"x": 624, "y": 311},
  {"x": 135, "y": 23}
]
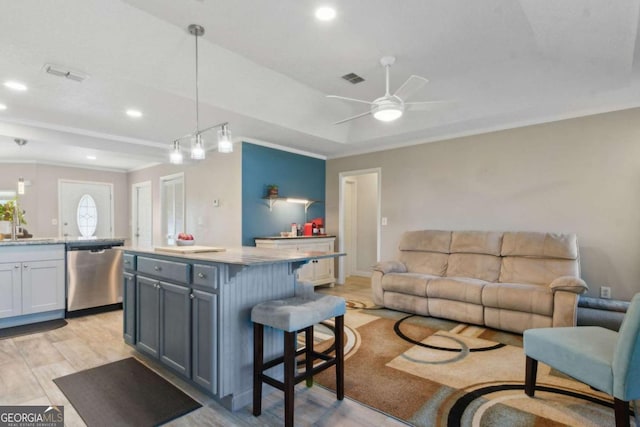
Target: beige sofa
[{"x": 506, "y": 280}]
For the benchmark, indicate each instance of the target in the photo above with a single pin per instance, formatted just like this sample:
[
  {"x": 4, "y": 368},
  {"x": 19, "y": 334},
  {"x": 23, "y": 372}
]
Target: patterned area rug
[{"x": 433, "y": 372}]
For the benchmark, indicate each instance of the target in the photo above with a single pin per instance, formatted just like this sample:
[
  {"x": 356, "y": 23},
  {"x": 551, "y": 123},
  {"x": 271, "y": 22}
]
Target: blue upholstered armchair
[{"x": 606, "y": 360}]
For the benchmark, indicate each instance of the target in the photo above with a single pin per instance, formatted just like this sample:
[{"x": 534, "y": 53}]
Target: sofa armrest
[
  {"x": 569, "y": 284},
  {"x": 387, "y": 267}
]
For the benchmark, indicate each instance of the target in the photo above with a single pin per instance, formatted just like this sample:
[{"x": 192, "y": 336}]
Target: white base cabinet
[
  {"x": 32, "y": 281},
  {"x": 316, "y": 271}
]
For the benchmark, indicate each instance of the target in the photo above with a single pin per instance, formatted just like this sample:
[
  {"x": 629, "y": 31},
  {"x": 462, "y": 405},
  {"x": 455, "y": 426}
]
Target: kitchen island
[{"x": 192, "y": 311}]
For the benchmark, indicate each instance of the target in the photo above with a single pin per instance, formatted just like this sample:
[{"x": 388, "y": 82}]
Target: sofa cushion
[
  {"x": 425, "y": 262},
  {"x": 462, "y": 289},
  {"x": 520, "y": 297},
  {"x": 484, "y": 267},
  {"x": 540, "y": 245},
  {"x": 536, "y": 270},
  {"x": 426, "y": 240},
  {"x": 476, "y": 242},
  {"x": 406, "y": 283}
]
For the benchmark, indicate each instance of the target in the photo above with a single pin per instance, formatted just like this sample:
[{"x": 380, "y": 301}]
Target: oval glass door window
[{"x": 87, "y": 216}]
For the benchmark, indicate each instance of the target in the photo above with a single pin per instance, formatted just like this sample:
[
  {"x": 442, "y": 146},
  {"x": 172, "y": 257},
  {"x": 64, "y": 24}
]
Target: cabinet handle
[
  {"x": 157, "y": 268},
  {"x": 16, "y": 266},
  {"x": 157, "y": 285},
  {"x": 202, "y": 275},
  {"x": 127, "y": 262},
  {"x": 191, "y": 296},
  {"x": 25, "y": 266}
]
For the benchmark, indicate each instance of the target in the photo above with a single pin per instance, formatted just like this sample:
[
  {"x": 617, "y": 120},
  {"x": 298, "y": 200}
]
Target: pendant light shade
[
  {"x": 176, "y": 154},
  {"x": 225, "y": 145},
  {"x": 198, "y": 149}
]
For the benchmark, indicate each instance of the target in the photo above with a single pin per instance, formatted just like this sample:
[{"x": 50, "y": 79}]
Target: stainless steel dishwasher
[{"x": 94, "y": 274}]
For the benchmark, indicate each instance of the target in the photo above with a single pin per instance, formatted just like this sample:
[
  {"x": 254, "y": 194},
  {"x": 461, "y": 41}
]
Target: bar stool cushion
[{"x": 299, "y": 312}]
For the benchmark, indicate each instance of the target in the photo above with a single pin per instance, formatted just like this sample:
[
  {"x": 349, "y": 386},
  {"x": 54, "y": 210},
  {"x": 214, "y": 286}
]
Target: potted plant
[{"x": 272, "y": 190}]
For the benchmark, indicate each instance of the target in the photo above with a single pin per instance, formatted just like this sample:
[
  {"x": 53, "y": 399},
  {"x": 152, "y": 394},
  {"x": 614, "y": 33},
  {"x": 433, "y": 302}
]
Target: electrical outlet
[
  {"x": 216, "y": 203},
  {"x": 605, "y": 292}
]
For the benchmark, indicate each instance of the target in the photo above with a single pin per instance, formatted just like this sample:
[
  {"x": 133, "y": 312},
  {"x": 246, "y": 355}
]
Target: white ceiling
[{"x": 266, "y": 66}]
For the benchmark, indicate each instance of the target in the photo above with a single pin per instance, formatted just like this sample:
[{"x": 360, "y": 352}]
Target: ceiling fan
[{"x": 389, "y": 107}]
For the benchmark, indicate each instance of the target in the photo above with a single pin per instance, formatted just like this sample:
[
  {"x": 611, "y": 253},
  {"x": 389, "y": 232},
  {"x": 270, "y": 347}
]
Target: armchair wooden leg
[
  {"x": 339, "y": 340},
  {"x": 258, "y": 340},
  {"x": 621, "y": 409},
  {"x": 308, "y": 342},
  {"x": 531, "y": 371},
  {"x": 289, "y": 376}
]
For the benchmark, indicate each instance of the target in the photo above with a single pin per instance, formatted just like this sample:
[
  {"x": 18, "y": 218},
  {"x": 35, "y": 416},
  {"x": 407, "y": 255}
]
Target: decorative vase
[{"x": 5, "y": 227}]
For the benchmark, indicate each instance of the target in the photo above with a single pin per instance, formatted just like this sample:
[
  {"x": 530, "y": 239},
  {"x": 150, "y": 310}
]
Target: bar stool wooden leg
[
  {"x": 308, "y": 342},
  {"x": 339, "y": 340},
  {"x": 289, "y": 376},
  {"x": 258, "y": 344}
]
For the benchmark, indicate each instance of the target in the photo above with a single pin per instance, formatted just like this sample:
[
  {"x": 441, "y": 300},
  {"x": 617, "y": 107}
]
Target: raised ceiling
[{"x": 266, "y": 67}]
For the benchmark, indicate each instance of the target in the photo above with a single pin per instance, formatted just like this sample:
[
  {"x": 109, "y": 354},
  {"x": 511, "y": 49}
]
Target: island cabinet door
[
  {"x": 175, "y": 327},
  {"x": 129, "y": 307},
  {"x": 147, "y": 332},
  {"x": 204, "y": 340},
  {"x": 10, "y": 289}
]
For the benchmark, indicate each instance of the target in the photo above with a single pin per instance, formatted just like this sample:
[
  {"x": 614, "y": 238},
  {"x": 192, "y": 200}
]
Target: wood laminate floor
[{"x": 29, "y": 363}]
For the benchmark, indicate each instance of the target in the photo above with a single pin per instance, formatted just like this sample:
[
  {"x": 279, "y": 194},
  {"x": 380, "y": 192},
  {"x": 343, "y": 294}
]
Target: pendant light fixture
[{"x": 197, "y": 140}]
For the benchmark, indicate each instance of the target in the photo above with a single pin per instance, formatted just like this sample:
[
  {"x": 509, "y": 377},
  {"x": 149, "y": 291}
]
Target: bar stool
[{"x": 293, "y": 315}]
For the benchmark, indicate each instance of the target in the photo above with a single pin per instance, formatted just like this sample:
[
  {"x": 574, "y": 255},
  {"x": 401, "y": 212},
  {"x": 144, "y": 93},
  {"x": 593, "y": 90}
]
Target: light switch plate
[
  {"x": 216, "y": 203},
  {"x": 384, "y": 220}
]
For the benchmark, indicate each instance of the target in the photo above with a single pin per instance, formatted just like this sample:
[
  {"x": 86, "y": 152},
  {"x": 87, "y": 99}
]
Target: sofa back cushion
[
  {"x": 477, "y": 266},
  {"x": 476, "y": 242},
  {"x": 425, "y": 262},
  {"x": 540, "y": 245},
  {"x": 426, "y": 241},
  {"x": 530, "y": 257}
]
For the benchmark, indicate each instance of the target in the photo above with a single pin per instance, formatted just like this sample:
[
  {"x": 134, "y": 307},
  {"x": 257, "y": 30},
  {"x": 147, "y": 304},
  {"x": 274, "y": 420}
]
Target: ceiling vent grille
[
  {"x": 59, "y": 71},
  {"x": 353, "y": 78}
]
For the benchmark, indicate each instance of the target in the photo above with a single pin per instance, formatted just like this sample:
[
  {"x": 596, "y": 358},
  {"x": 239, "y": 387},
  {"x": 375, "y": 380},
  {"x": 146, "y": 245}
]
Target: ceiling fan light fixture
[
  {"x": 387, "y": 110},
  {"x": 225, "y": 145}
]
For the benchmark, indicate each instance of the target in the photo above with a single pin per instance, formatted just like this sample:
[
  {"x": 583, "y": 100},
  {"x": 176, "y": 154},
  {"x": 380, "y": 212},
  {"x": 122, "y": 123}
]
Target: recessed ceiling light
[
  {"x": 15, "y": 85},
  {"x": 91, "y": 157},
  {"x": 3, "y": 107},
  {"x": 325, "y": 13},
  {"x": 134, "y": 113}
]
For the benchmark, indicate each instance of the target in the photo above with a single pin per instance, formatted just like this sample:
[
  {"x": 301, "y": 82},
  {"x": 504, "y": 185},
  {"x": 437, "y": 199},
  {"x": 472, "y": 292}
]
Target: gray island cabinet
[{"x": 192, "y": 312}]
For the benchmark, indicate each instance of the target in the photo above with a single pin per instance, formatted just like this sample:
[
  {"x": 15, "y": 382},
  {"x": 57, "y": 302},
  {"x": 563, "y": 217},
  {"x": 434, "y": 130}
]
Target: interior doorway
[
  {"x": 74, "y": 210},
  {"x": 141, "y": 214},
  {"x": 359, "y": 218},
  {"x": 172, "y": 207}
]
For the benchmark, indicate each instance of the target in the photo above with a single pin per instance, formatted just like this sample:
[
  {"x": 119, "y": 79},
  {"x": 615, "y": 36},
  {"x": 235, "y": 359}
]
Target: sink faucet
[{"x": 15, "y": 222}]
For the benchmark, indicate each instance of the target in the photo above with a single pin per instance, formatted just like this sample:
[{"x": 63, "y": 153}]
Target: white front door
[
  {"x": 141, "y": 214},
  {"x": 70, "y": 193}
]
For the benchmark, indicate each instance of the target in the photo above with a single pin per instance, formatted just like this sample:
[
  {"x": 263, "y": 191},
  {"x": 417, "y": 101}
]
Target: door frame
[
  {"x": 164, "y": 179},
  {"x": 343, "y": 177},
  {"x": 62, "y": 181},
  {"x": 134, "y": 208}
]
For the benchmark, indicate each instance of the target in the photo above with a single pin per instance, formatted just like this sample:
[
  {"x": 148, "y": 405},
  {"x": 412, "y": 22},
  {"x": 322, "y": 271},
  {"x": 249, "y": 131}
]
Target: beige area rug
[{"x": 432, "y": 372}]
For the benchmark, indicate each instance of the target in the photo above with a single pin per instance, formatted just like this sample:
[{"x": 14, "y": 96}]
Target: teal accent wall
[{"x": 296, "y": 176}]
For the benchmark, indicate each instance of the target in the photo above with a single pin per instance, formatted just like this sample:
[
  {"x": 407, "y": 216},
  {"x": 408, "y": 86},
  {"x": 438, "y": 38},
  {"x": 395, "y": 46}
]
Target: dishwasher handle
[{"x": 97, "y": 251}]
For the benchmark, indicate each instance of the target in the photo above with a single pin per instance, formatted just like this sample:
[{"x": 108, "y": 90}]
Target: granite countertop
[
  {"x": 319, "y": 236},
  {"x": 53, "y": 241},
  {"x": 246, "y": 255}
]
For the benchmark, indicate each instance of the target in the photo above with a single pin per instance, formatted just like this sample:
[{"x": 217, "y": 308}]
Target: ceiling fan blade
[
  {"x": 354, "y": 117},
  {"x": 350, "y": 99},
  {"x": 410, "y": 87},
  {"x": 424, "y": 105}
]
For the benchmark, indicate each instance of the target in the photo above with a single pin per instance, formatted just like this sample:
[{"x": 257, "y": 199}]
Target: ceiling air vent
[
  {"x": 59, "y": 71},
  {"x": 353, "y": 78}
]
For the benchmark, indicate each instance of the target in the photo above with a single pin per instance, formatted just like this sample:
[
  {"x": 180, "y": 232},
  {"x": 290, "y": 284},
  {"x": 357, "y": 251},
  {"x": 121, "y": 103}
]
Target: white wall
[
  {"x": 219, "y": 176},
  {"x": 580, "y": 175},
  {"x": 40, "y": 200}
]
